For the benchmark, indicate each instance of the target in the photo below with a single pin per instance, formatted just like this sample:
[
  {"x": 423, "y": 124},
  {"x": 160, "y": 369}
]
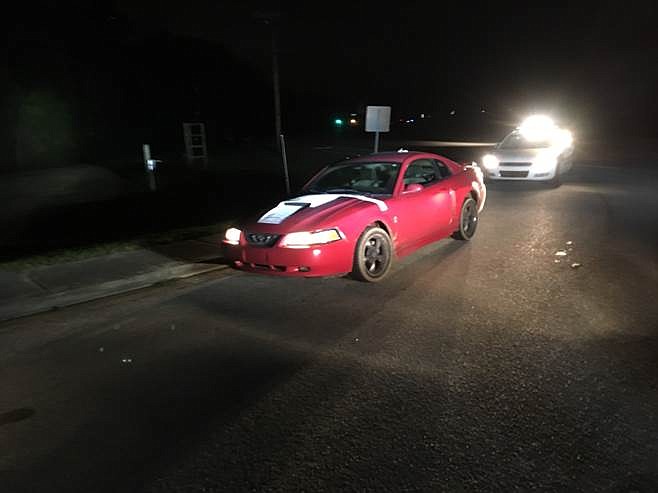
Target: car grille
[
  {"x": 514, "y": 174},
  {"x": 514, "y": 164},
  {"x": 262, "y": 239}
]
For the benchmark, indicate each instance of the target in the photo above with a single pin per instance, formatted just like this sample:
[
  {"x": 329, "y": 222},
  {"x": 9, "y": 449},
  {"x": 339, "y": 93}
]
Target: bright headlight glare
[
  {"x": 490, "y": 161},
  {"x": 562, "y": 140},
  {"x": 232, "y": 236},
  {"x": 537, "y": 127},
  {"x": 544, "y": 163},
  {"x": 305, "y": 239}
]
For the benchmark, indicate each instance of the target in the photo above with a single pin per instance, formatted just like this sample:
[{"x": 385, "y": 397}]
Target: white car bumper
[
  {"x": 521, "y": 173},
  {"x": 529, "y": 169}
]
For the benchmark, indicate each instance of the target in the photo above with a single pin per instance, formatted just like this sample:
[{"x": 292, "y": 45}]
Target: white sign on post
[{"x": 378, "y": 119}]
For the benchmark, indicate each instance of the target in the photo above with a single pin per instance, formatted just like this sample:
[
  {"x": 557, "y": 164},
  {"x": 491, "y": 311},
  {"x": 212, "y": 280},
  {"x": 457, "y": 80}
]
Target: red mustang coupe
[{"x": 356, "y": 216}]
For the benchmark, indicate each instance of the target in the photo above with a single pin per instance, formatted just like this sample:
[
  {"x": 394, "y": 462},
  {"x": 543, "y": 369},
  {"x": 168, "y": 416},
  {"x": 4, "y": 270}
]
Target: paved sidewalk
[{"x": 41, "y": 289}]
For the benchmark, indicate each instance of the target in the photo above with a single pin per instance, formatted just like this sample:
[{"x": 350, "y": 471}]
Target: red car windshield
[{"x": 377, "y": 178}]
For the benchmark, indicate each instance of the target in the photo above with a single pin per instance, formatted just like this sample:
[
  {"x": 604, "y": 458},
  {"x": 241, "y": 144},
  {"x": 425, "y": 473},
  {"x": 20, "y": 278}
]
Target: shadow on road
[
  {"x": 16, "y": 415},
  {"x": 519, "y": 186}
]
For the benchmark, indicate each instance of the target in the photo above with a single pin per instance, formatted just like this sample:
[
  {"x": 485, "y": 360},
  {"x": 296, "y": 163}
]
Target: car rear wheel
[
  {"x": 468, "y": 220},
  {"x": 373, "y": 255}
]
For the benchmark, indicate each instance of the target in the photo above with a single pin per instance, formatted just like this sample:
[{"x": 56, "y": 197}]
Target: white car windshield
[{"x": 516, "y": 141}]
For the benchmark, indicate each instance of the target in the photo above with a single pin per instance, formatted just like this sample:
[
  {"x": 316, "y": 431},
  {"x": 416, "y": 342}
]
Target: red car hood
[{"x": 312, "y": 212}]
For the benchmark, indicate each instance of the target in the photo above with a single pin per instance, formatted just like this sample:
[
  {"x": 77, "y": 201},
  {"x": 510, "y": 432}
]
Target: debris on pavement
[
  {"x": 569, "y": 242},
  {"x": 560, "y": 253},
  {"x": 575, "y": 265},
  {"x": 557, "y": 260}
]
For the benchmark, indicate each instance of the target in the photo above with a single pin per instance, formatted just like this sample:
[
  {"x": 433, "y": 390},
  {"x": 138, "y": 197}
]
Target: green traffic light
[{"x": 338, "y": 122}]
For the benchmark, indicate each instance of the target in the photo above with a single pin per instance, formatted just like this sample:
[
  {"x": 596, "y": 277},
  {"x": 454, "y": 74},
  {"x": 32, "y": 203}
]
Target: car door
[{"x": 422, "y": 208}]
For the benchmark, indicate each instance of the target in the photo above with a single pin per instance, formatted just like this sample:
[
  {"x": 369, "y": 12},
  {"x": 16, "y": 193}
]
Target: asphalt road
[{"x": 480, "y": 366}]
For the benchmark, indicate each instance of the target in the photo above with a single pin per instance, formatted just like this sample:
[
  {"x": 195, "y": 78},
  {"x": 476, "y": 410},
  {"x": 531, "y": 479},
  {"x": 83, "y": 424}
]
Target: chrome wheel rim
[
  {"x": 375, "y": 255},
  {"x": 469, "y": 219}
]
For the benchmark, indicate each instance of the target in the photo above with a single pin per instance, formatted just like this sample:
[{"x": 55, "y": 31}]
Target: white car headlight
[
  {"x": 544, "y": 163},
  {"x": 562, "y": 140},
  {"x": 232, "y": 236},
  {"x": 304, "y": 239},
  {"x": 490, "y": 161}
]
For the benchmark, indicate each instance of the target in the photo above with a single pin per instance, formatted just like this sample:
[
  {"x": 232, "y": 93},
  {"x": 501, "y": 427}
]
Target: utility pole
[
  {"x": 271, "y": 19},
  {"x": 276, "y": 86}
]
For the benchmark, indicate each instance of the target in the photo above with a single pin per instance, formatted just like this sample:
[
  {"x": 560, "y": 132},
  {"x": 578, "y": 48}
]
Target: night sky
[
  {"x": 592, "y": 65},
  {"x": 574, "y": 58}
]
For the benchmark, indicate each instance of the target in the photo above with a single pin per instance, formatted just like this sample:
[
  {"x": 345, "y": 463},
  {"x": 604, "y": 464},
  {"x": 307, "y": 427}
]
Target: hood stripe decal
[{"x": 287, "y": 208}]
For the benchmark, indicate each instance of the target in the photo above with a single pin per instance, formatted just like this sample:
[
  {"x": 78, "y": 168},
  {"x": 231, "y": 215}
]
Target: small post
[
  {"x": 146, "y": 150},
  {"x": 149, "y": 165},
  {"x": 376, "y": 141},
  {"x": 284, "y": 157},
  {"x": 153, "y": 184}
]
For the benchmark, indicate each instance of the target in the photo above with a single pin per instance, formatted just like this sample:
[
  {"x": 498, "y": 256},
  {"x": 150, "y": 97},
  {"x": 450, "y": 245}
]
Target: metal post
[
  {"x": 282, "y": 143},
  {"x": 376, "y": 141},
  {"x": 146, "y": 150},
  {"x": 153, "y": 183},
  {"x": 275, "y": 83},
  {"x": 149, "y": 166}
]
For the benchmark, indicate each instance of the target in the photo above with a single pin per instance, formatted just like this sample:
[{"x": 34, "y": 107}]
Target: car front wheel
[{"x": 373, "y": 255}]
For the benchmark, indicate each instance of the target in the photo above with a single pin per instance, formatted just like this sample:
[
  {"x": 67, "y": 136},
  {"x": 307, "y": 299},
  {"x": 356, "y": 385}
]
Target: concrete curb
[{"x": 33, "y": 305}]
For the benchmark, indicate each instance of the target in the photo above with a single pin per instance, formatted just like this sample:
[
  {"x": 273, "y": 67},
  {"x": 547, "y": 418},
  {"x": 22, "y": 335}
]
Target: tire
[
  {"x": 468, "y": 220},
  {"x": 373, "y": 255}
]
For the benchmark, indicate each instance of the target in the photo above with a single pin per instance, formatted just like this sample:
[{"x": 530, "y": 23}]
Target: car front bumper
[
  {"x": 529, "y": 170},
  {"x": 521, "y": 173},
  {"x": 316, "y": 261}
]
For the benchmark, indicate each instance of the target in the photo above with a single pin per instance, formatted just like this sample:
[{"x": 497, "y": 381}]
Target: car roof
[{"x": 392, "y": 157}]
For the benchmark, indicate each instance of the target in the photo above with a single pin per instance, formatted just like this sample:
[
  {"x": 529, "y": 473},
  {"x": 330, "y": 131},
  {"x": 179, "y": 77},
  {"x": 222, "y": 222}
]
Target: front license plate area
[{"x": 256, "y": 256}]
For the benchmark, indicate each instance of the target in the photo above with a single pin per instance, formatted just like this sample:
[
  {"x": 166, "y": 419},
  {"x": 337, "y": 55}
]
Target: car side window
[
  {"x": 422, "y": 171},
  {"x": 443, "y": 168}
]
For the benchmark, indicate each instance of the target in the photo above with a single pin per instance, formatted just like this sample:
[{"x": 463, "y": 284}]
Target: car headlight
[
  {"x": 543, "y": 164},
  {"x": 562, "y": 141},
  {"x": 232, "y": 236},
  {"x": 304, "y": 239},
  {"x": 490, "y": 161}
]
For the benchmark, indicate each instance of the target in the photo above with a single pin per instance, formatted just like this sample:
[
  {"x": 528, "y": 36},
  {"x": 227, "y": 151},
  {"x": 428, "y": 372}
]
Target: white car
[{"x": 537, "y": 150}]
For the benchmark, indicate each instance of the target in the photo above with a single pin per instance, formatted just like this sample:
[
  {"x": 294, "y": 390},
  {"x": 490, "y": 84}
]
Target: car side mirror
[{"x": 412, "y": 188}]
